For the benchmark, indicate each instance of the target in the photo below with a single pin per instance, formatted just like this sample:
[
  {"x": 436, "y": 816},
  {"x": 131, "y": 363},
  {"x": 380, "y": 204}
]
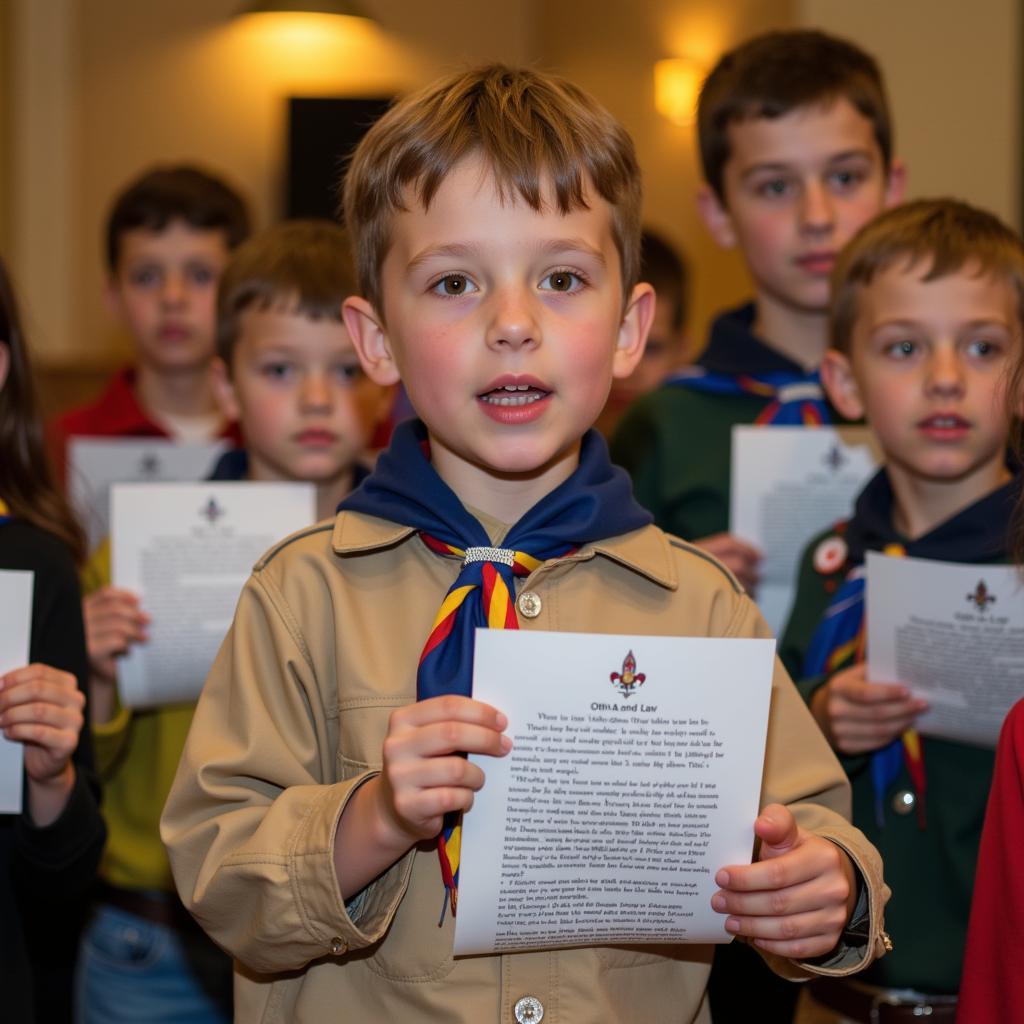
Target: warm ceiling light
[
  {"x": 341, "y": 7},
  {"x": 677, "y": 82}
]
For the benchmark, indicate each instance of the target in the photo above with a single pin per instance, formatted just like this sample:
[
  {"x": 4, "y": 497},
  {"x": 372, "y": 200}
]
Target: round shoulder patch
[{"x": 830, "y": 555}]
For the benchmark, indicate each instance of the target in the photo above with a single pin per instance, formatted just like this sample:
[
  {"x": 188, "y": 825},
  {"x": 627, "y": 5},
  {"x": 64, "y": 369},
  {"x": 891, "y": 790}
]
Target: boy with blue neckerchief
[{"x": 307, "y": 825}]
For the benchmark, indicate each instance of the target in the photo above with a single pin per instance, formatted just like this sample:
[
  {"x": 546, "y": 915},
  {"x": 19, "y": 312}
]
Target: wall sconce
[
  {"x": 340, "y": 7},
  {"x": 677, "y": 82}
]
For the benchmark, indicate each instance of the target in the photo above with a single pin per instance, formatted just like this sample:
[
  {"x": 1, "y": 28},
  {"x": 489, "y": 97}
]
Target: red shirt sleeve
[{"x": 992, "y": 985}]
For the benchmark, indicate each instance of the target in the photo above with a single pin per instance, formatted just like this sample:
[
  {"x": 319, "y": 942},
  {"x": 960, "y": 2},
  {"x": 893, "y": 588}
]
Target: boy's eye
[
  {"x": 276, "y": 371},
  {"x": 846, "y": 178},
  {"x": 773, "y": 188},
  {"x": 348, "y": 372},
  {"x": 453, "y": 285},
  {"x": 901, "y": 349},
  {"x": 202, "y": 275},
  {"x": 144, "y": 277},
  {"x": 561, "y": 281},
  {"x": 983, "y": 347}
]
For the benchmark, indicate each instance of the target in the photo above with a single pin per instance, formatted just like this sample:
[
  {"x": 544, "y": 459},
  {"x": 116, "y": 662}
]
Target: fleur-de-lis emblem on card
[{"x": 628, "y": 680}]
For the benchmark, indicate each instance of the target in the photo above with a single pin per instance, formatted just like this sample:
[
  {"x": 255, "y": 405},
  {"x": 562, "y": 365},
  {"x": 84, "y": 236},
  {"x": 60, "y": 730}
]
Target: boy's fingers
[
  {"x": 788, "y": 927},
  {"x": 804, "y": 898},
  {"x": 437, "y": 772},
  {"x": 777, "y": 829},
  {"x": 779, "y": 870},
  {"x": 449, "y": 708},
  {"x": 37, "y": 675},
  {"x": 448, "y": 737},
  {"x": 40, "y": 712},
  {"x": 863, "y": 692},
  {"x": 869, "y": 715}
]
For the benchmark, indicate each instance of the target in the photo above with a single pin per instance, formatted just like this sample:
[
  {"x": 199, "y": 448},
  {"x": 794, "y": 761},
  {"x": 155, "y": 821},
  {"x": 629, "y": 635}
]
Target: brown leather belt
[
  {"x": 869, "y": 1005},
  {"x": 160, "y": 908}
]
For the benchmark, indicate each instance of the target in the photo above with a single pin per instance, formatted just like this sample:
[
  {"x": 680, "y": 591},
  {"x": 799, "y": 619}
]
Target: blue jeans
[{"x": 134, "y": 971}]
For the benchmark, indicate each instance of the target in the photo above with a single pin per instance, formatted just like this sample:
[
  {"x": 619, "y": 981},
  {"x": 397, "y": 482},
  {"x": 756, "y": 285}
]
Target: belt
[
  {"x": 869, "y": 1005},
  {"x": 159, "y": 908}
]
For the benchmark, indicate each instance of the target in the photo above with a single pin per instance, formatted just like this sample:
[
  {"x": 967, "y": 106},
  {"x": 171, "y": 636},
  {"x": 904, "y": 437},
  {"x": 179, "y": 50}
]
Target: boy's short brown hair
[
  {"x": 165, "y": 194},
  {"x": 301, "y": 266},
  {"x": 778, "y": 72},
  {"x": 525, "y": 124},
  {"x": 664, "y": 267},
  {"x": 941, "y": 235}
]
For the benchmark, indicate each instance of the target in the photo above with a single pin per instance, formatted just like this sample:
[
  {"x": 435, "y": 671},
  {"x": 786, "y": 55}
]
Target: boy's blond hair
[
  {"x": 945, "y": 235},
  {"x": 527, "y": 126},
  {"x": 300, "y": 266}
]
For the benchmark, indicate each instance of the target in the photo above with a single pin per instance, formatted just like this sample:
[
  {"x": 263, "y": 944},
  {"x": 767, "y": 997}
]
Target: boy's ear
[
  {"x": 224, "y": 389},
  {"x": 370, "y": 340},
  {"x": 841, "y": 385},
  {"x": 716, "y": 217},
  {"x": 896, "y": 183},
  {"x": 636, "y": 323}
]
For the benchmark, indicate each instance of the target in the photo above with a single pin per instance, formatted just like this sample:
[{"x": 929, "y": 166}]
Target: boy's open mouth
[
  {"x": 514, "y": 394},
  {"x": 944, "y": 425}
]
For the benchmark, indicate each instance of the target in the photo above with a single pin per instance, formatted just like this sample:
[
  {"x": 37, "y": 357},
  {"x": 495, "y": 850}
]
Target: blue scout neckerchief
[
  {"x": 594, "y": 503},
  {"x": 5, "y": 512},
  {"x": 737, "y": 362},
  {"x": 796, "y": 399},
  {"x": 976, "y": 534}
]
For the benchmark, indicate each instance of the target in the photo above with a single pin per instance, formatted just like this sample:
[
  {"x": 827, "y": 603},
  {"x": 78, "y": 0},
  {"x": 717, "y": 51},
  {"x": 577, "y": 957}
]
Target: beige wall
[
  {"x": 107, "y": 87},
  {"x": 954, "y": 75},
  {"x": 610, "y": 48},
  {"x": 180, "y": 79}
]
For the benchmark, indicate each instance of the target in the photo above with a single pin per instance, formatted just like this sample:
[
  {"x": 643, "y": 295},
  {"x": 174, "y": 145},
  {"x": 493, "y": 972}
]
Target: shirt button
[
  {"x": 529, "y": 604},
  {"x": 529, "y": 1010},
  {"x": 338, "y": 946},
  {"x": 903, "y": 802}
]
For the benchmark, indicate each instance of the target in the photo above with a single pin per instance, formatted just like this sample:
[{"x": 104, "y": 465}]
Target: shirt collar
[
  {"x": 645, "y": 551},
  {"x": 978, "y": 533},
  {"x": 733, "y": 348}
]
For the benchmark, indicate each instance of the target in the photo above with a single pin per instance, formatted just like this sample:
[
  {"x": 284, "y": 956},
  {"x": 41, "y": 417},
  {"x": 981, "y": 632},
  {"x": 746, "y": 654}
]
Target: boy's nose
[
  {"x": 945, "y": 372},
  {"x": 173, "y": 292},
  {"x": 513, "y": 323},
  {"x": 816, "y": 211},
  {"x": 316, "y": 394}
]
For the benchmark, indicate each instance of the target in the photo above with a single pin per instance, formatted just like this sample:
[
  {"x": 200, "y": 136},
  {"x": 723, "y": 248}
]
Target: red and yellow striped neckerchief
[
  {"x": 886, "y": 761},
  {"x": 499, "y": 606}
]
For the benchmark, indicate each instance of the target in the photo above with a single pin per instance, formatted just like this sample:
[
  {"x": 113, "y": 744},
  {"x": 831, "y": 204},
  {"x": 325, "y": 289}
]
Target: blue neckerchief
[
  {"x": 594, "y": 503},
  {"x": 978, "y": 533},
  {"x": 838, "y": 635},
  {"x": 794, "y": 399},
  {"x": 737, "y": 362}
]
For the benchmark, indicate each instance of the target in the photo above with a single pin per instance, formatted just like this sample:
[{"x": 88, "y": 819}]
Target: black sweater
[{"x": 45, "y": 873}]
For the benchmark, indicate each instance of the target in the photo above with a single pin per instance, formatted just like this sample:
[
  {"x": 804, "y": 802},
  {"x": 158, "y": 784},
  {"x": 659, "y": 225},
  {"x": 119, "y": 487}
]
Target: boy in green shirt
[
  {"x": 796, "y": 146},
  {"x": 926, "y": 323}
]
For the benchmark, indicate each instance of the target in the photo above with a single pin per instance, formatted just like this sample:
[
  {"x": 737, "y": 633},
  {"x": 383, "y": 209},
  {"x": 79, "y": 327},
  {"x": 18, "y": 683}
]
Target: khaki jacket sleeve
[
  {"x": 250, "y": 821},
  {"x": 803, "y": 773}
]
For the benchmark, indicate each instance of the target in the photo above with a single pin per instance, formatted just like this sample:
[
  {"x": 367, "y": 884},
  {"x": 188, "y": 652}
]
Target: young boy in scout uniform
[
  {"x": 498, "y": 261},
  {"x": 796, "y": 145},
  {"x": 926, "y": 320}
]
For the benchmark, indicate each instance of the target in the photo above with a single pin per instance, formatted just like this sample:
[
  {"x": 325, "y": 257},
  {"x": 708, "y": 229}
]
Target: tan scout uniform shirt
[{"x": 324, "y": 645}]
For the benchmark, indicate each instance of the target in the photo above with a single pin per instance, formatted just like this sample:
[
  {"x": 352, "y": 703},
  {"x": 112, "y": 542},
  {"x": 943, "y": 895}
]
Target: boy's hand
[
  {"x": 857, "y": 716},
  {"x": 424, "y": 775},
  {"x": 41, "y": 707},
  {"x": 739, "y": 557},
  {"x": 796, "y": 899},
  {"x": 113, "y": 622}
]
